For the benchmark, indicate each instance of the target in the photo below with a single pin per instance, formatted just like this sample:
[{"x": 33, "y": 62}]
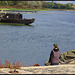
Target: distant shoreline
[{"x": 29, "y": 9}]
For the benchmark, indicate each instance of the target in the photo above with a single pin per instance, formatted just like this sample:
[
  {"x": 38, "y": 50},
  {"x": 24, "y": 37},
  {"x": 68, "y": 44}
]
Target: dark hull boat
[
  {"x": 21, "y": 21},
  {"x": 14, "y": 18}
]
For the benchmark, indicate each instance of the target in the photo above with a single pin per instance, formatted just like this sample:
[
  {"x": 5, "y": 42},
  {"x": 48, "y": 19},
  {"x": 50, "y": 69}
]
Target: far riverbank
[{"x": 29, "y": 9}]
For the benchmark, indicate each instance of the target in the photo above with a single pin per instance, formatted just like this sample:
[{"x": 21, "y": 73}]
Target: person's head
[{"x": 55, "y": 45}]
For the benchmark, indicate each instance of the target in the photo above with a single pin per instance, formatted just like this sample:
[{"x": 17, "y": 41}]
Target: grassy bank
[{"x": 29, "y": 9}]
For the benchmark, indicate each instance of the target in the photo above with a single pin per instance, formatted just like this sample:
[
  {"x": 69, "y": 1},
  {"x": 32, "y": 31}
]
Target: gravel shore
[{"x": 58, "y": 69}]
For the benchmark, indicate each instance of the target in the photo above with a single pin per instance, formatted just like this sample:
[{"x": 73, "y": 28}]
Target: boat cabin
[{"x": 12, "y": 16}]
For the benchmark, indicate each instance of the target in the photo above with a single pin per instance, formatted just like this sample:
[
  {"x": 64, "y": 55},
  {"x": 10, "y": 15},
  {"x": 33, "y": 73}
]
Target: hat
[{"x": 56, "y": 45}]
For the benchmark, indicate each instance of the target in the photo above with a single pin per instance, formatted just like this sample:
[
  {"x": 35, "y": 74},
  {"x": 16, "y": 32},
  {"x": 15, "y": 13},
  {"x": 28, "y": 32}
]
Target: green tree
[
  {"x": 49, "y": 5},
  {"x": 44, "y": 4},
  {"x": 63, "y": 6},
  {"x": 68, "y": 6},
  {"x": 57, "y": 5},
  {"x": 10, "y": 3},
  {"x": 2, "y": 3},
  {"x": 15, "y": 2},
  {"x": 73, "y": 6},
  {"x": 30, "y": 4},
  {"x": 53, "y": 4}
]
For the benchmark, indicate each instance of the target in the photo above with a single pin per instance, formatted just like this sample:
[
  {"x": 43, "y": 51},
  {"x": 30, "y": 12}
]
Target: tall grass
[
  {"x": 1, "y": 65},
  {"x": 14, "y": 65},
  {"x": 8, "y": 64}
]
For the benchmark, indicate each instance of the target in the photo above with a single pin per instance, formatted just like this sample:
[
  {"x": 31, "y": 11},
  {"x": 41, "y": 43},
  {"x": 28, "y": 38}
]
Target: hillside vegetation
[{"x": 36, "y": 5}]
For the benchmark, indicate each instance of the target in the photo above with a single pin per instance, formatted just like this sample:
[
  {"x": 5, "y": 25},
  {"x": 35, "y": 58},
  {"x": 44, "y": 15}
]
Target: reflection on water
[{"x": 32, "y": 45}]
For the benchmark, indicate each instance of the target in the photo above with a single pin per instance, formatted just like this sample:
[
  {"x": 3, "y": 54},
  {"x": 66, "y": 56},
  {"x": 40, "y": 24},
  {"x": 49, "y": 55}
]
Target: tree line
[
  {"x": 57, "y": 5},
  {"x": 37, "y": 4}
]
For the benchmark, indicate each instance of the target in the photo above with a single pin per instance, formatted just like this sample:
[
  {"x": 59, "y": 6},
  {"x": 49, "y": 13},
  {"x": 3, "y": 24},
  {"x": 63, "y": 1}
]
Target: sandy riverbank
[{"x": 58, "y": 69}]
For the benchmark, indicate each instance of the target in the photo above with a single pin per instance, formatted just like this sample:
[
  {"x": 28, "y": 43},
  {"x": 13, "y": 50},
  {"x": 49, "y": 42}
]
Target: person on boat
[
  {"x": 54, "y": 55},
  {"x": 19, "y": 16},
  {"x": 7, "y": 16}
]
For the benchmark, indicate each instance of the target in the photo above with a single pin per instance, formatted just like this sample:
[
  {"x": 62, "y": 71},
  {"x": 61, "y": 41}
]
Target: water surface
[{"x": 31, "y": 45}]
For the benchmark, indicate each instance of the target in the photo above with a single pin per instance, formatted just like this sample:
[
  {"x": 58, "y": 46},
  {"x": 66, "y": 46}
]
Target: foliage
[
  {"x": 44, "y": 4},
  {"x": 57, "y": 5},
  {"x": 68, "y": 6},
  {"x": 22, "y": 4},
  {"x": 73, "y": 6},
  {"x": 37, "y": 4}
]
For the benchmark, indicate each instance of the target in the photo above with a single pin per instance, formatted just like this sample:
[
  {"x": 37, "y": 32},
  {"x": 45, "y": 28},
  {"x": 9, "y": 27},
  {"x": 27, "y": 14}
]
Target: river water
[{"x": 31, "y": 45}]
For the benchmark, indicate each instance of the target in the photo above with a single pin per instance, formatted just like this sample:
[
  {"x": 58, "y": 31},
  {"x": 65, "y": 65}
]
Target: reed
[
  {"x": 8, "y": 64},
  {"x": 1, "y": 65},
  {"x": 15, "y": 65}
]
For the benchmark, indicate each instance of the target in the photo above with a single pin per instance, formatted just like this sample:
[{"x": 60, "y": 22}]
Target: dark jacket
[{"x": 54, "y": 56}]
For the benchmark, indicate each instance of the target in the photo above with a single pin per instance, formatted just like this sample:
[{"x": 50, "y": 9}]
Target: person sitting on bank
[{"x": 54, "y": 55}]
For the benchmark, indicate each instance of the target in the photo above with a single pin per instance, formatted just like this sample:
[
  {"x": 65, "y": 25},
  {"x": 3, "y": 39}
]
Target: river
[{"x": 31, "y": 45}]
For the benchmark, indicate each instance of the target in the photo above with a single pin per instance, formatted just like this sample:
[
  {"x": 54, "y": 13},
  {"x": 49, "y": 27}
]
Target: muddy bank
[{"x": 59, "y": 69}]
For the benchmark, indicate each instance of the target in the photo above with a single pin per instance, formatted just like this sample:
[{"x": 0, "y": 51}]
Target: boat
[{"x": 8, "y": 17}]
